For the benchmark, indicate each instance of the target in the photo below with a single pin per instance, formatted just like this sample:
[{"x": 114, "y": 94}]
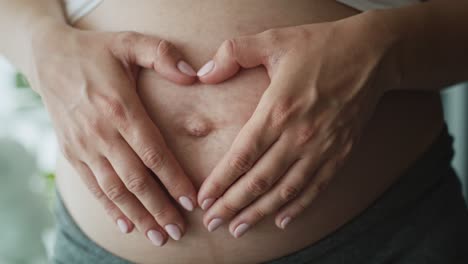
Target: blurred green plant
[
  {"x": 49, "y": 177},
  {"x": 21, "y": 81}
]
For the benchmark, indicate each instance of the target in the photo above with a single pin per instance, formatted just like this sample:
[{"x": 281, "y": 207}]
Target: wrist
[
  {"x": 381, "y": 36},
  {"x": 41, "y": 35},
  {"x": 46, "y": 29},
  {"x": 407, "y": 29}
]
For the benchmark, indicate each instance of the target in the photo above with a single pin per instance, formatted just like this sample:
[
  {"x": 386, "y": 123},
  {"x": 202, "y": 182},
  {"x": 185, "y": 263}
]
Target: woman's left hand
[{"x": 322, "y": 91}]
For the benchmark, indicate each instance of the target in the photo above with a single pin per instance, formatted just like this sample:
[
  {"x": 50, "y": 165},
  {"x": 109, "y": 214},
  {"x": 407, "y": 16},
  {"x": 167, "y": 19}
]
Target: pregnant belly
[
  {"x": 200, "y": 129},
  {"x": 199, "y": 122}
]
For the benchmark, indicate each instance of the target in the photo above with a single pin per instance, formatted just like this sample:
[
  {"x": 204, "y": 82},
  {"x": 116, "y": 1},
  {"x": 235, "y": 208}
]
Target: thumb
[
  {"x": 245, "y": 52},
  {"x": 153, "y": 53}
]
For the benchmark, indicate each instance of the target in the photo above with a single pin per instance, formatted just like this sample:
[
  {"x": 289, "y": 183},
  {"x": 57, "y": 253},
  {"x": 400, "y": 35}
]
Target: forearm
[
  {"x": 19, "y": 20},
  {"x": 430, "y": 50}
]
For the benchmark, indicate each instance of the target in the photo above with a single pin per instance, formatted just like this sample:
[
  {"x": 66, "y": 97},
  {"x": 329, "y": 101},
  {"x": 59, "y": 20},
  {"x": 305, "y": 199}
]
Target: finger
[
  {"x": 123, "y": 223},
  {"x": 116, "y": 191},
  {"x": 245, "y": 51},
  {"x": 259, "y": 133},
  {"x": 286, "y": 189},
  {"x": 308, "y": 195},
  {"x": 254, "y": 183},
  {"x": 138, "y": 181},
  {"x": 289, "y": 186},
  {"x": 154, "y": 53},
  {"x": 248, "y": 146},
  {"x": 332, "y": 160},
  {"x": 147, "y": 142}
]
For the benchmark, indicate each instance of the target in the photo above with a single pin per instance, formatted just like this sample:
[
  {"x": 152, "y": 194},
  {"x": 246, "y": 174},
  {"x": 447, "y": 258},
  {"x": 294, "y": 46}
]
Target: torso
[{"x": 403, "y": 126}]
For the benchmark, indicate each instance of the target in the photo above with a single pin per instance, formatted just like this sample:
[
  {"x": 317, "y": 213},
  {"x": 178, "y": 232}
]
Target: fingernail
[
  {"x": 207, "y": 203},
  {"x": 214, "y": 223},
  {"x": 285, "y": 222},
  {"x": 186, "y": 203},
  {"x": 173, "y": 231},
  {"x": 155, "y": 237},
  {"x": 206, "y": 68},
  {"x": 184, "y": 67},
  {"x": 240, "y": 230},
  {"x": 122, "y": 224}
]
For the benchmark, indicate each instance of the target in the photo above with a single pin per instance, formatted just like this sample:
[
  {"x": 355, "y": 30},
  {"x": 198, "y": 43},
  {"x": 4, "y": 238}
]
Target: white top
[{"x": 76, "y": 9}]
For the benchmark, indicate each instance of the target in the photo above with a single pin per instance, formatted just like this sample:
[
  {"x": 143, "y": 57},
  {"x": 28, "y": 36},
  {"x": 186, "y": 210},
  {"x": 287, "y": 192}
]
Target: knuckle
[
  {"x": 259, "y": 213},
  {"x": 229, "y": 47},
  {"x": 298, "y": 35},
  {"x": 258, "y": 186},
  {"x": 300, "y": 32},
  {"x": 321, "y": 186},
  {"x": 301, "y": 206},
  {"x": 216, "y": 187},
  {"x": 137, "y": 185},
  {"x": 281, "y": 112},
  {"x": 164, "y": 47},
  {"x": 81, "y": 142},
  {"x": 328, "y": 141},
  {"x": 154, "y": 159},
  {"x": 94, "y": 129},
  {"x": 230, "y": 207},
  {"x": 277, "y": 49},
  {"x": 112, "y": 107},
  {"x": 96, "y": 192},
  {"x": 305, "y": 134},
  {"x": 241, "y": 162},
  {"x": 110, "y": 209},
  {"x": 117, "y": 193},
  {"x": 126, "y": 38},
  {"x": 93, "y": 125},
  {"x": 341, "y": 157},
  {"x": 313, "y": 97},
  {"x": 347, "y": 149},
  {"x": 273, "y": 36},
  {"x": 175, "y": 186},
  {"x": 161, "y": 213},
  {"x": 108, "y": 140},
  {"x": 115, "y": 109},
  {"x": 288, "y": 193},
  {"x": 143, "y": 220},
  {"x": 162, "y": 50}
]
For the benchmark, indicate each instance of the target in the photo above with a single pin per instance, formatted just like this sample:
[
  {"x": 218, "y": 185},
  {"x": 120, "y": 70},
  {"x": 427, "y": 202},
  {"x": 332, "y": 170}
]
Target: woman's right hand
[{"x": 87, "y": 81}]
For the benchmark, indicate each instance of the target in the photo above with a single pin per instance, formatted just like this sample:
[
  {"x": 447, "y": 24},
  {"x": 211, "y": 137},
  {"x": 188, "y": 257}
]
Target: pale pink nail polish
[
  {"x": 122, "y": 224},
  {"x": 285, "y": 222},
  {"x": 155, "y": 237},
  {"x": 207, "y": 203},
  {"x": 173, "y": 231},
  {"x": 186, "y": 203},
  {"x": 185, "y": 68},
  {"x": 214, "y": 223},
  {"x": 206, "y": 68},
  {"x": 240, "y": 230}
]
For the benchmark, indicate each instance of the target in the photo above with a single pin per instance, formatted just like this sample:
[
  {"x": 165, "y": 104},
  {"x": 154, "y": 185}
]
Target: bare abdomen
[{"x": 199, "y": 123}]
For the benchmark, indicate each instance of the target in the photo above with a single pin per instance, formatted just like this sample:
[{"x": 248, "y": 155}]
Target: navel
[{"x": 197, "y": 127}]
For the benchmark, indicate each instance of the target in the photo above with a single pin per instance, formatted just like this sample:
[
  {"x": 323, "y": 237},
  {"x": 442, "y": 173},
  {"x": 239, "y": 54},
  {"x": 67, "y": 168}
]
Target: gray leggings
[{"x": 421, "y": 219}]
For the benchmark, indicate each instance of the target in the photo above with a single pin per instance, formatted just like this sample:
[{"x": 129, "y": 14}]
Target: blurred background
[{"x": 28, "y": 150}]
